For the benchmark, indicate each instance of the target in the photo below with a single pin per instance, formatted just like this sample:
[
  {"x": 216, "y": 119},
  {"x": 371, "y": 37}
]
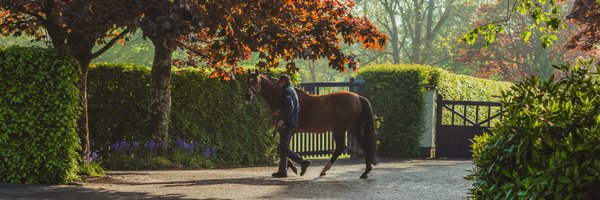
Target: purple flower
[
  {"x": 120, "y": 146},
  {"x": 94, "y": 155},
  {"x": 184, "y": 145},
  {"x": 90, "y": 157},
  {"x": 209, "y": 151},
  {"x": 135, "y": 145},
  {"x": 151, "y": 145}
]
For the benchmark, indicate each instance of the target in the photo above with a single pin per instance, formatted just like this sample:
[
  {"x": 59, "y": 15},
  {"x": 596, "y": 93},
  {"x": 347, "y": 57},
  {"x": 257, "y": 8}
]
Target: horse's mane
[
  {"x": 273, "y": 79},
  {"x": 301, "y": 91}
]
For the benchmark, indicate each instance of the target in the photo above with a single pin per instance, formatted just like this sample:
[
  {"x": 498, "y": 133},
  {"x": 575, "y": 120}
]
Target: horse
[{"x": 335, "y": 112}]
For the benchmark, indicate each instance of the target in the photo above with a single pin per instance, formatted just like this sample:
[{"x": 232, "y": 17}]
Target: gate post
[
  {"x": 427, "y": 142},
  {"x": 438, "y": 111},
  {"x": 438, "y": 120},
  {"x": 351, "y": 86}
]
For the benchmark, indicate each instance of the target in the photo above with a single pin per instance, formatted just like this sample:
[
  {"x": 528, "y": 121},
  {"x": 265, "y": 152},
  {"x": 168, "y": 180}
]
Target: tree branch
[
  {"x": 374, "y": 58},
  {"x": 110, "y": 43},
  {"x": 189, "y": 48},
  {"x": 23, "y": 10}
]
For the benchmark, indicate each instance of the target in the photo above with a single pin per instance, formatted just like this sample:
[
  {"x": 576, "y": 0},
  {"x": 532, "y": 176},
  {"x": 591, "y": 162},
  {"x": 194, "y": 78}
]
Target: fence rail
[{"x": 314, "y": 145}]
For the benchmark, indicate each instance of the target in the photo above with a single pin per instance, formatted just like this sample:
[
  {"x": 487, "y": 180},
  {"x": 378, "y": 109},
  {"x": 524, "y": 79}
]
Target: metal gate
[
  {"x": 458, "y": 122},
  {"x": 319, "y": 145}
]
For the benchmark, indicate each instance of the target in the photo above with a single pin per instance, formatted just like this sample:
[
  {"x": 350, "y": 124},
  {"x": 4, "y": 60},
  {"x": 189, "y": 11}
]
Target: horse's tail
[{"x": 368, "y": 130}]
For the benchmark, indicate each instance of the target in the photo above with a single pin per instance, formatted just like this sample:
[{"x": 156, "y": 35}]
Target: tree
[
  {"x": 585, "y": 13},
  {"x": 222, "y": 33},
  {"x": 73, "y": 27},
  {"x": 546, "y": 18},
  {"x": 513, "y": 59},
  {"x": 421, "y": 31}
]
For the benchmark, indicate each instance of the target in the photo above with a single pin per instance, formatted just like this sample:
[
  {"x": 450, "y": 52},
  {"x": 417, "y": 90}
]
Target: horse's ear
[
  {"x": 256, "y": 71},
  {"x": 249, "y": 71}
]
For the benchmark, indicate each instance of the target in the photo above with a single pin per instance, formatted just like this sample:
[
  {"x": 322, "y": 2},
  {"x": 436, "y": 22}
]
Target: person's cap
[{"x": 284, "y": 78}]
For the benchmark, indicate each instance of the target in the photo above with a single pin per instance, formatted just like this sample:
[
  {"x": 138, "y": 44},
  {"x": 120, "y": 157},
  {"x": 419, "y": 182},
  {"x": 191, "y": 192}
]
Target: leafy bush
[
  {"x": 39, "y": 108},
  {"x": 396, "y": 93},
  {"x": 547, "y": 145},
  {"x": 91, "y": 169},
  {"x": 90, "y": 165},
  {"x": 211, "y": 112}
]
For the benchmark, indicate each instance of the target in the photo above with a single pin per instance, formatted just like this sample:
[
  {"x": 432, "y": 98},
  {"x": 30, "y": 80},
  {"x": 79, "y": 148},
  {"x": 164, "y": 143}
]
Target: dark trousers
[{"x": 285, "y": 135}]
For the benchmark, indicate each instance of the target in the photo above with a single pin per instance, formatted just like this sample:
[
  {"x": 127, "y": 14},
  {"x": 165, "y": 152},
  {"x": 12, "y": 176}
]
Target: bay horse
[{"x": 335, "y": 112}]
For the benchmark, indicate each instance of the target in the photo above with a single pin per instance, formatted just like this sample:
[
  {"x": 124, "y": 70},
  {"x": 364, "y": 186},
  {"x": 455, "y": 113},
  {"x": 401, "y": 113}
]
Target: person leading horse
[{"x": 287, "y": 125}]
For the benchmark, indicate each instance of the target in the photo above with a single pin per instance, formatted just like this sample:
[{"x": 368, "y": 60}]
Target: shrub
[
  {"x": 396, "y": 93},
  {"x": 39, "y": 108},
  {"x": 547, "y": 145},
  {"x": 211, "y": 112}
]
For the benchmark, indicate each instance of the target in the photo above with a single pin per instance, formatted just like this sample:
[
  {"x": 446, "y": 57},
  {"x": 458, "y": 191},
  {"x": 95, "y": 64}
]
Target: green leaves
[
  {"x": 544, "y": 14},
  {"x": 488, "y": 32},
  {"x": 525, "y": 35},
  {"x": 39, "y": 108},
  {"x": 547, "y": 139}
]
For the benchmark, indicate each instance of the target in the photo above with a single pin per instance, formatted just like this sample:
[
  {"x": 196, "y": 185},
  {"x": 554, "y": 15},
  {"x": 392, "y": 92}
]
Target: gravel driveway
[{"x": 392, "y": 179}]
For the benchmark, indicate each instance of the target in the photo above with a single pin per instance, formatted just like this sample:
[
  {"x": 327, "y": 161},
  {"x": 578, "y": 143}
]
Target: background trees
[
  {"x": 421, "y": 31},
  {"x": 510, "y": 57}
]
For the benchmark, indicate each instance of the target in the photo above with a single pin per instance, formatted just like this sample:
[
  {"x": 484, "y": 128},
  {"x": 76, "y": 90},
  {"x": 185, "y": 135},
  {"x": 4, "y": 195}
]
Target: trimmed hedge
[
  {"x": 547, "y": 145},
  {"x": 396, "y": 93},
  {"x": 39, "y": 108},
  {"x": 211, "y": 112}
]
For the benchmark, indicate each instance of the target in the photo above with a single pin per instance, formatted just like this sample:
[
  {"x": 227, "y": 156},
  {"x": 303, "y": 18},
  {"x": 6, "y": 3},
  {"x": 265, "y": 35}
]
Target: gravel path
[{"x": 393, "y": 179}]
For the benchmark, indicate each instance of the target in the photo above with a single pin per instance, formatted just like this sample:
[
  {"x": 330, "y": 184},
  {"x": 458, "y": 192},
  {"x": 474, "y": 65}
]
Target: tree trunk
[
  {"x": 313, "y": 71},
  {"x": 82, "y": 124},
  {"x": 160, "y": 97},
  {"x": 416, "y": 42},
  {"x": 389, "y": 8}
]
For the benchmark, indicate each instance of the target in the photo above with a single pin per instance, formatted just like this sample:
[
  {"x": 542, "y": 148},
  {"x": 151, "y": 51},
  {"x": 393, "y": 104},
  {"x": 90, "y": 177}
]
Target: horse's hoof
[
  {"x": 363, "y": 176},
  {"x": 322, "y": 174}
]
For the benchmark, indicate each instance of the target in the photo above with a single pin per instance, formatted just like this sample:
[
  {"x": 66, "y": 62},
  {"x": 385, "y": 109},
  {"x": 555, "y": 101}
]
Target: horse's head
[{"x": 253, "y": 85}]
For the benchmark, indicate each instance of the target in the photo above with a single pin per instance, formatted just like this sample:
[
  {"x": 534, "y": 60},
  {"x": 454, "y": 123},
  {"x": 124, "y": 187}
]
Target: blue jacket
[{"x": 290, "y": 113}]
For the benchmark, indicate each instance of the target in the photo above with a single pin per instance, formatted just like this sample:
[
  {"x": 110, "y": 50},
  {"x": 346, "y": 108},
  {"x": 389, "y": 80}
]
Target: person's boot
[
  {"x": 304, "y": 166},
  {"x": 280, "y": 174}
]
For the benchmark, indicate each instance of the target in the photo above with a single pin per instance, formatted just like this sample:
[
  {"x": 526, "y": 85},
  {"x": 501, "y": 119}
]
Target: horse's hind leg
[
  {"x": 369, "y": 168},
  {"x": 340, "y": 145},
  {"x": 361, "y": 140}
]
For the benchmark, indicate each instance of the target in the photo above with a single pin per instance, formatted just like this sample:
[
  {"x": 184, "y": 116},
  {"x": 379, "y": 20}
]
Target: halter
[{"x": 253, "y": 90}]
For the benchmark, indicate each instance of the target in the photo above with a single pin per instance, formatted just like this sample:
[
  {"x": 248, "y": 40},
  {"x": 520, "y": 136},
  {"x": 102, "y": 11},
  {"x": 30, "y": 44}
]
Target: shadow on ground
[{"x": 22, "y": 191}]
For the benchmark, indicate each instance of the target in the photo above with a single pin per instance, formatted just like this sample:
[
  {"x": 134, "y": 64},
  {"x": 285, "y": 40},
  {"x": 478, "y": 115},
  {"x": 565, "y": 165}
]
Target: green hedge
[
  {"x": 547, "y": 145},
  {"x": 39, "y": 108},
  {"x": 396, "y": 93},
  {"x": 462, "y": 87},
  {"x": 208, "y": 111}
]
